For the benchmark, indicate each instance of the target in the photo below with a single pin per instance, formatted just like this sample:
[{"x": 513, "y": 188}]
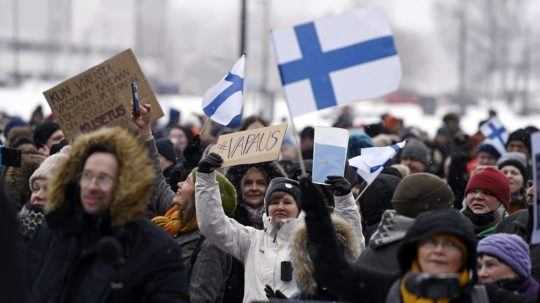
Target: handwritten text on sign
[
  {"x": 100, "y": 96},
  {"x": 251, "y": 146}
]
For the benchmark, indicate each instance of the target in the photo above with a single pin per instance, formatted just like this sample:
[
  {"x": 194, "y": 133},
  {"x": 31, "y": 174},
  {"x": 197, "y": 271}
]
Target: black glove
[
  {"x": 339, "y": 185},
  {"x": 271, "y": 294},
  {"x": 210, "y": 163},
  {"x": 312, "y": 197}
]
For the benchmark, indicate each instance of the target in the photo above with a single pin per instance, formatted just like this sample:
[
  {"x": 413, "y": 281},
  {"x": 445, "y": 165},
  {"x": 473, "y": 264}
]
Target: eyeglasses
[
  {"x": 444, "y": 243},
  {"x": 102, "y": 180}
]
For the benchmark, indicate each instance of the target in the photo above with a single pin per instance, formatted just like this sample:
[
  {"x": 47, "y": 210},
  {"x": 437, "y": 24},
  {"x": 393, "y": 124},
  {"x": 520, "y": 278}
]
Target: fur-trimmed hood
[
  {"x": 133, "y": 185},
  {"x": 302, "y": 264}
]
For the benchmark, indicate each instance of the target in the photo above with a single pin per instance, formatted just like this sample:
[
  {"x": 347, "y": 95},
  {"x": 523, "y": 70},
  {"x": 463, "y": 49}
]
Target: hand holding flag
[{"x": 371, "y": 161}]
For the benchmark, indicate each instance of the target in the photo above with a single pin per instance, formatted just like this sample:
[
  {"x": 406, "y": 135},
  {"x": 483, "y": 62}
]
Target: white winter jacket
[{"x": 261, "y": 251}]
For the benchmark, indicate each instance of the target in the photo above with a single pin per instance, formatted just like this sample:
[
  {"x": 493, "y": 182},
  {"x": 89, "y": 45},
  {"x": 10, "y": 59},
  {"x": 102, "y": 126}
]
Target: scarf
[
  {"x": 409, "y": 297},
  {"x": 172, "y": 221}
]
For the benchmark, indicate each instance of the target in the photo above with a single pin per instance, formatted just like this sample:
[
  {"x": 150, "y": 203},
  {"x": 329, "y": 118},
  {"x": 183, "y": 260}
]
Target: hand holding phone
[{"x": 135, "y": 99}]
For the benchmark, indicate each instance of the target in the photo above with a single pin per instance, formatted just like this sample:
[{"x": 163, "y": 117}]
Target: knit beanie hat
[
  {"x": 416, "y": 150},
  {"x": 421, "y": 192},
  {"x": 492, "y": 181},
  {"x": 489, "y": 149},
  {"x": 15, "y": 122},
  {"x": 520, "y": 135},
  {"x": 357, "y": 141},
  {"x": 166, "y": 149},
  {"x": 516, "y": 159},
  {"x": 286, "y": 185},
  {"x": 50, "y": 166},
  {"x": 43, "y": 131},
  {"x": 226, "y": 191},
  {"x": 510, "y": 249}
]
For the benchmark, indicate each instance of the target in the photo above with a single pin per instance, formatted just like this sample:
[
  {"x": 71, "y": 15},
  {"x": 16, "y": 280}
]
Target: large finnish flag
[
  {"x": 371, "y": 161},
  {"x": 223, "y": 103},
  {"x": 495, "y": 133},
  {"x": 337, "y": 60}
]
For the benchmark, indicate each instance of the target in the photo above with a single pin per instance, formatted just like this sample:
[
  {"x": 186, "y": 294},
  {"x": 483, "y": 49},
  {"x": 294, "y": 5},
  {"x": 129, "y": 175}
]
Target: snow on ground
[{"x": 22, "y": 101}]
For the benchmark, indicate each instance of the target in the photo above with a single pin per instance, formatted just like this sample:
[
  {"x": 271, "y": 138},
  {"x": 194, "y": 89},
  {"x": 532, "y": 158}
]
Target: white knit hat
[{"x": 50, "y": 165}]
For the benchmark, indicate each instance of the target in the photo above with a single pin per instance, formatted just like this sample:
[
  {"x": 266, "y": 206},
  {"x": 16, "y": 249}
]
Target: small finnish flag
[
  {"x": 337, "y": 60},
  {"x": 371, "y": 161},
  {"x": 223, "y": 103},
  {"x": 495, "y": 133}
]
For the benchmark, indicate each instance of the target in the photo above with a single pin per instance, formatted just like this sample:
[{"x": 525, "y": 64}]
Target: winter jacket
[
  {"x": 303, "y": 266},
  {"x": 342, "y": 279},
  {"x": 117, "y": 256},
  {"x": 209, "y": 275},
  {"x": 261, "y": 251},
  {"x": 162, "y": 195},
  {"x": 381, "y": 253}
]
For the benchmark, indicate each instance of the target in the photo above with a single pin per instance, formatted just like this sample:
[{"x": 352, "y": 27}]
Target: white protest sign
[
  {"x": 329, "y": 152},
  {"x": 251, "y": 146}
]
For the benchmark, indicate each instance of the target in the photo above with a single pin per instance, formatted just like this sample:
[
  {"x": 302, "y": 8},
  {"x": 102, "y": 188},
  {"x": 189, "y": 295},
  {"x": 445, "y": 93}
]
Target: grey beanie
[{"x": 416, "y": 150}]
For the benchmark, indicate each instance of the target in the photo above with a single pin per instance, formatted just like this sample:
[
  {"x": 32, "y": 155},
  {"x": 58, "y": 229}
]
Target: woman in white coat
[{"x": 264, "y": 253}]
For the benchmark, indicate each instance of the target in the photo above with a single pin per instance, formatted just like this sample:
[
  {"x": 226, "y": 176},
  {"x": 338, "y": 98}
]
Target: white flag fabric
[
  {"x": 223, "y": 103},
  {"x": 337, "y": 60},
  {"x": 371, "y": 161},
  {"x": 329, "y": 152},
  {"x": 496, "y": 134}
]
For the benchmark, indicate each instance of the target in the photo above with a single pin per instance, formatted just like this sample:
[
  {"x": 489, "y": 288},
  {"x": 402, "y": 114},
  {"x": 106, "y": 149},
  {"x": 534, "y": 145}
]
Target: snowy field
[{"x": 21, "y": 101}]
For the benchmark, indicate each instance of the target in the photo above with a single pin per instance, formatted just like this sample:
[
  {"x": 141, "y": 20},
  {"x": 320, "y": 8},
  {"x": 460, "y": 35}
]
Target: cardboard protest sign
[
  {"x": 251, "y": 146},
  {"x": 100, "y": 96},
  {"x": 535, "y": 140},
  {"x": 329, "y": 152}
]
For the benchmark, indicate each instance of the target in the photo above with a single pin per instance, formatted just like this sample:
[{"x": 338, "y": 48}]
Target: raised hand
[
  {"x": 339, "y": 185},
  {"x": 210, "y": 163}
]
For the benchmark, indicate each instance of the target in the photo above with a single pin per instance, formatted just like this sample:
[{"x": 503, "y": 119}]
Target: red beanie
[{"x": 492, "y": 181}]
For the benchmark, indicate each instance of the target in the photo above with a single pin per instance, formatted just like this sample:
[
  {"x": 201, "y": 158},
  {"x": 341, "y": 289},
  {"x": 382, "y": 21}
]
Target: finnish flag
[
  {"x": 371, "y": 161},
  {"x": 495, "y": 133},
  {"x": 223, "y": 103},
  {"x": 337, "y": 60}
]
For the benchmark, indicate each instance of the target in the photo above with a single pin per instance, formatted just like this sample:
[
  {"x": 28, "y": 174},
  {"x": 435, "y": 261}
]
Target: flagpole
[
  {"x": 362, "y": 192},
  {"x": 205, "y": 128},
  {"x": 302, "y": 165}
]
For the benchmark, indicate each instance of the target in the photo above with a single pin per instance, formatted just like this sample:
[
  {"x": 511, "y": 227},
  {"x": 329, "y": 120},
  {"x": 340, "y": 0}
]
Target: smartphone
[
  {"x": 10, "y": 157},
  {"x": 286, "y": 271},
  {"x": 135, "y": 98}
]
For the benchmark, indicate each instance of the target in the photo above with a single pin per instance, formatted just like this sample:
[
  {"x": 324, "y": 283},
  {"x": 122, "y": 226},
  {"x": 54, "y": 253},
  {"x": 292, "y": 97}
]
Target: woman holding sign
[{"x": 264, "y": 253}]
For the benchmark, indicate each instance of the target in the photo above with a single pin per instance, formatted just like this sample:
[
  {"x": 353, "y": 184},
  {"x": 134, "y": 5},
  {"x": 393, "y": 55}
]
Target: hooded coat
[
  {"x": 381, "y": 252},
  {"x": 117, "y": 256},
  {"x": 262, "y": 251}
]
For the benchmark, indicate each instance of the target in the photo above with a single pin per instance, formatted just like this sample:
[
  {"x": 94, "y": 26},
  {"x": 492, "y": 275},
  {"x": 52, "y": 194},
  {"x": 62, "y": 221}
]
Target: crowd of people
[{"x": 149, "y": 214}]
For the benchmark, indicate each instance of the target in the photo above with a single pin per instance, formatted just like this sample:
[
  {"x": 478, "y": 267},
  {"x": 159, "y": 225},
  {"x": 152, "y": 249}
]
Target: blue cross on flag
[
  {"x": 337, "y": 60},
  {"x": 371, "y": 161},
  {"x": 495, "y": 133},
  {"x": 223, "y": 103}
]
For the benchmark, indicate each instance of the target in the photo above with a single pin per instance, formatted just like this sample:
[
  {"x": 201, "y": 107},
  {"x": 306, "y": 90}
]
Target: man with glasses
[{"x": 97, "y": 245}]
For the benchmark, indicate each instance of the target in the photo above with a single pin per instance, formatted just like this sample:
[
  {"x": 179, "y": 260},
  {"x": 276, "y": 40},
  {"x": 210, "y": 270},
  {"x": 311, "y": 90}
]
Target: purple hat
[{"x": 509, "y": 249}]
